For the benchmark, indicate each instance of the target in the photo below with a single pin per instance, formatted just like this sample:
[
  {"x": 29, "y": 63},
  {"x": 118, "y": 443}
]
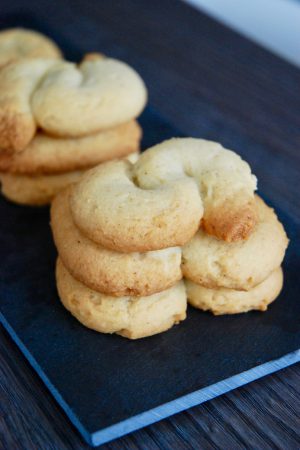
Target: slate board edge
[
  {"x": 33, "y": 362},
  {"x": 162, "y": 411}
]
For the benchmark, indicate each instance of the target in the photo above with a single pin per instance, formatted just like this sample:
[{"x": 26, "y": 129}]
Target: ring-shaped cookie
[
  {"x": 131, "y": 317},
  {"x": 158, "y": 202},
  {"x": 64, "y": 99}
]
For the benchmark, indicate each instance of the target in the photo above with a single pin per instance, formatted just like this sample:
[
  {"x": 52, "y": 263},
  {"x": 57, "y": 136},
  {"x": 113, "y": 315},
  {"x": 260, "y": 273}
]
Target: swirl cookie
[
  {"x": 239, "y": 265},
  {"x": 230, "y": 301},
  {"x": 48, "y": 154},
  {"x": 224, "y": 181},
  {"x": 66, "y": 100},
  {"x": 109, "y": 272},
  {"x": 131, "y": 317},
  {"x": 159, "y": 201},
  {"x": 109, "y": 208},
  {"x": 19, "y": 43}
]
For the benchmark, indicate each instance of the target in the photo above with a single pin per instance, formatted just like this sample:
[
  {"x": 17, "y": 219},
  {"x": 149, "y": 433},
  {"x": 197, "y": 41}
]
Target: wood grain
[{"x": 197, "y": 72}]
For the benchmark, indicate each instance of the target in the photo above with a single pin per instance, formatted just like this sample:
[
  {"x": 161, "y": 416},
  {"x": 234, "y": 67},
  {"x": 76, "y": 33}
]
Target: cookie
[
  {"x": 110, "y": 209},
  {"x": 131, "y": 317},
  {"x": 48, "y": 155},
  {"x": 158, "y": 201},
  {"x": 35, "y": 190},
  {"x": 230, "y": 301},
  {"x": 66, "y": 100},
  {"x": 225, "y": 183},
  {"x": 112, "y": 273},
  {"x": 18, "y": 81},
  {"x": 239, "y": 265},
  {"x": 19, "y": 43}
]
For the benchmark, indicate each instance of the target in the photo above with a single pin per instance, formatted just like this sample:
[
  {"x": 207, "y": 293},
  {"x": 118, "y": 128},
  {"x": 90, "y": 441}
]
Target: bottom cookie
[
  {"x": 231, "y": 301},
  {"x": 131, "y": 317},
  {"x": 36, "y": 190}
]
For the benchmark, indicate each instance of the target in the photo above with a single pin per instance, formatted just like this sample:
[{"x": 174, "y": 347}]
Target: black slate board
[
  {"x": 107, "y": 381},
  {"x": 107, "y": 385}
]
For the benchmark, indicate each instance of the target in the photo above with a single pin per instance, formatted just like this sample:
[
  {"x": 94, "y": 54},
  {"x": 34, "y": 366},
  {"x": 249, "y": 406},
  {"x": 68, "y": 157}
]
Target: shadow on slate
[{"x": 106, "y": 384}]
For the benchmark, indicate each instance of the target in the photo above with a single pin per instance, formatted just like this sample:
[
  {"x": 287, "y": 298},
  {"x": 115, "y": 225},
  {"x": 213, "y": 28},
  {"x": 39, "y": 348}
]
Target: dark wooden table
[{"x": 198, "y": 73}]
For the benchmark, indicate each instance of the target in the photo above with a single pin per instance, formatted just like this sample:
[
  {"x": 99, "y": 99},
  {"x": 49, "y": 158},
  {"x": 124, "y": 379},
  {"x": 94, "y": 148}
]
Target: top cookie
[
  {"x": 16, "y": 43},
  {"x": 64, "y": 99},
  {"x": 158, "y": 202},
  {"x": 224, "y": 181}
]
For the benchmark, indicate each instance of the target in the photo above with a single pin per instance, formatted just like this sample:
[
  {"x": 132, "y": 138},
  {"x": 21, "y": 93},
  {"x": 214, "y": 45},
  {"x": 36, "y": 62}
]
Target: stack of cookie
[
  {"x": 133, "y": 294},
  {"x": 127, "y": 234},
  {"x": 229, "y": 278},
  {"x": 58, "y": 119},
  {"x": 120, "y": 230},
  {"x": 232, "y": 263}
]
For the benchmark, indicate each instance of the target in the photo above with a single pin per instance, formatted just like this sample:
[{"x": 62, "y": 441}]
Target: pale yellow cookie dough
[
  {"x": 230, "y": 301},
  {"x": 48, "y": 154},
  {"x": 16, "y": 43},
  {"x": 224, "y": 181},
  {"x": 36, "y": 190},
  {"x": 238, "y": 265},
  {"x": 64, "y": 99}
]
